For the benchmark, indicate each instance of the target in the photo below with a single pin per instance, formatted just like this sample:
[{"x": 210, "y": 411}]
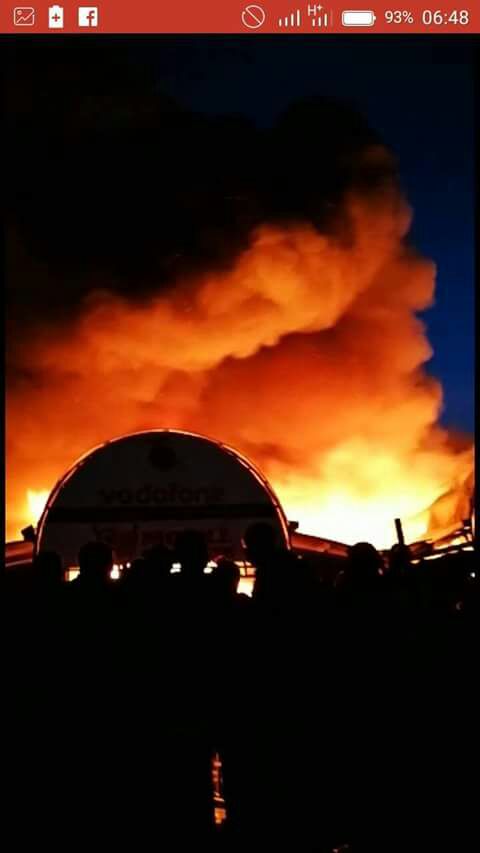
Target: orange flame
[
  {"x": 307, "y": 356},
  {"x": 35, "y": 504}
]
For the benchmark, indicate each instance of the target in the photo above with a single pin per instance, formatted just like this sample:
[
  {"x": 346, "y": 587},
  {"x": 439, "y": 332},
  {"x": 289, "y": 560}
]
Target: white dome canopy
[{"x": 141, "y": 489}]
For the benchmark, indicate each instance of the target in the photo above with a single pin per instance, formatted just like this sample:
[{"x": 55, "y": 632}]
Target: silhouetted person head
[
  {"x": 95, "y": 560},
  {"x": 272, "y": 562},
  {"x": 399, "y": 559},
  {"x": 150, "y": 571},
  {"x": 363, "y": 565},
  {"x": 226, "y": 577},
  {"x": 135, "y": 575},
  {"x": 159, "y": 561},
  {"x": 137, "y": 565},
  {"x": 261, "y": 544},
  {"x": 191, "y": 552},
  {"x": 48, "y": 569}
]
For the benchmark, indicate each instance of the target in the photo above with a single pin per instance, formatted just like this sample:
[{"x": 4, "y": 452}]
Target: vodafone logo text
[{"x": 157, "y": 495}]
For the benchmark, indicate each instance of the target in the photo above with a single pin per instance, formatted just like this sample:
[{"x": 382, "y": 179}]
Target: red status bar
[{"x": 234, "y": 16}]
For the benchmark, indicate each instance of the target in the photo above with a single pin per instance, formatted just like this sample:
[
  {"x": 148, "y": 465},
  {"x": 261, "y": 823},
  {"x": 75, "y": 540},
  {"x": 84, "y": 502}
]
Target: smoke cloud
[{"x": 286, "y": 328}]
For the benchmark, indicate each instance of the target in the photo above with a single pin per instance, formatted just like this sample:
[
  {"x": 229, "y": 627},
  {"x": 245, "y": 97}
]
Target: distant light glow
[
  {"x": 220, "y": 814},
  {"x": 36, "y": 504},
  {"x": 245, "y": 586},
  {"x": 72, "y": 573}
]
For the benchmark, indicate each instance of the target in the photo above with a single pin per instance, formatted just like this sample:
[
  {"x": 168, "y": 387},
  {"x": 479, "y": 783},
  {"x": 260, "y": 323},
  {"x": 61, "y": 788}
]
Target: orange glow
[
  {"x": 72, "y": 573},
  {"x": 245, "y": 586},
  {"x": 307, "y": 356},
  {"x": 35, "y": 504}
]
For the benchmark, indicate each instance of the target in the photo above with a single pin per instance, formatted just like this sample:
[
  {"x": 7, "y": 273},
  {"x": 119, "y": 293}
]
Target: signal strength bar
[
  {"x": 293, "y": 20},
  {"x": 322, "y": 20}
]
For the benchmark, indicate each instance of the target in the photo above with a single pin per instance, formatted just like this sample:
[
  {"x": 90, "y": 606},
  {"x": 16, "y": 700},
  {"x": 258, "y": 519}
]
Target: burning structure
[
  {"x": 141, "y": 490},
  {"x": 276, "y": 314},
  {"x": 307, "y": 356}
]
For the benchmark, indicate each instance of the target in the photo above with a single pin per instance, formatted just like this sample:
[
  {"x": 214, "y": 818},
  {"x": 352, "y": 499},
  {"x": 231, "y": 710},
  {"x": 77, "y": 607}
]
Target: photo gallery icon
[{"x": 24, "y": 16}]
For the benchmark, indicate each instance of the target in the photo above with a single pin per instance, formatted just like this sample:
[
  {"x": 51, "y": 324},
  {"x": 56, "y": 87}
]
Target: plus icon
[{"x": 55, "y": 17}]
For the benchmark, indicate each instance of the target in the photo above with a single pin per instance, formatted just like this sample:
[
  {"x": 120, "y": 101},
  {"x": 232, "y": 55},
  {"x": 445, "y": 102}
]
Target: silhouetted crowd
[{"x": 342, "y": 710}]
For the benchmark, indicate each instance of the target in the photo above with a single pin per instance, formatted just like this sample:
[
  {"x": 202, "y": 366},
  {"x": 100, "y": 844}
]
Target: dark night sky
[{"x": 419, "y": 95}]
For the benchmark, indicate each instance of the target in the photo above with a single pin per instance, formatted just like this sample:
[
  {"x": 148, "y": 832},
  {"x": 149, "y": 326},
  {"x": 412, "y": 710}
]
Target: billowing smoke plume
[{"x": 288, "y": 329}]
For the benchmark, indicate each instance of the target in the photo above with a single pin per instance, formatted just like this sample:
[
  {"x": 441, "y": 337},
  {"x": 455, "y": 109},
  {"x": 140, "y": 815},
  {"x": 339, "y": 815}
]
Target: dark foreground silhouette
[{"x": 343, "y": 712}]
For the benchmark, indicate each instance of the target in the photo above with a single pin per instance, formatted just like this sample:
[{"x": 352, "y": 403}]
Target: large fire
[{"x": 307, "y": 356}]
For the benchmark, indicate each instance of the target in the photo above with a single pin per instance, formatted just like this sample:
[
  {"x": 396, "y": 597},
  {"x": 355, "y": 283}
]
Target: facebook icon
[{"x": 88, "y": 16}]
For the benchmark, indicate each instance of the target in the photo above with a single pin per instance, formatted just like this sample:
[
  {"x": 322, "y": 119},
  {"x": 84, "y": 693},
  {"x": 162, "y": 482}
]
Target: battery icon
[{"x": 356, "y": 18}]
